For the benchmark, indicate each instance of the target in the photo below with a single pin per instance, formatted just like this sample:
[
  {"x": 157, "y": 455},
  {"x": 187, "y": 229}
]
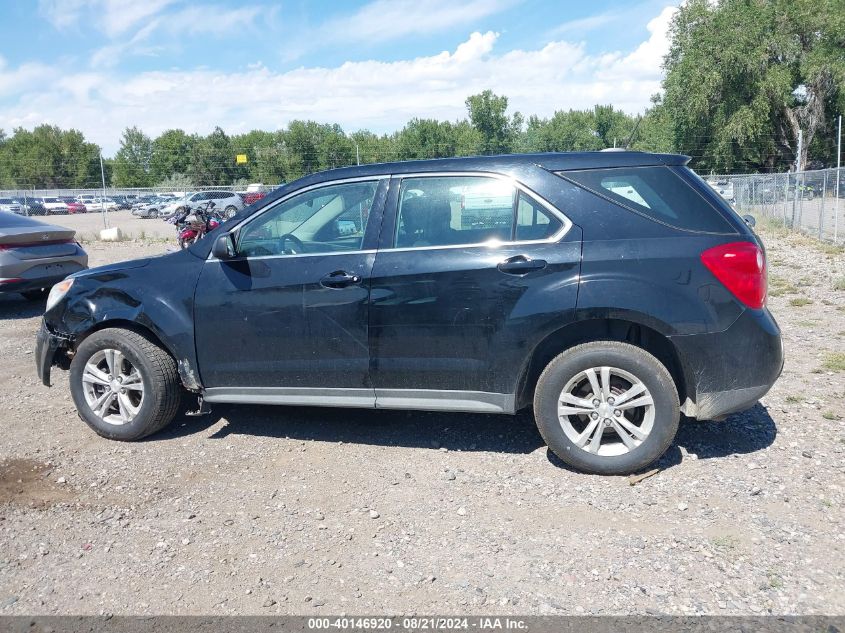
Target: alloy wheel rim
[
  {"x": 606, "y": 411},
  {"x": 113, "y": 387}
]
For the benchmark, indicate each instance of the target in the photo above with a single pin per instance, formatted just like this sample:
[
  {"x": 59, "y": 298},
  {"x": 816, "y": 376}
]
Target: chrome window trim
[
  {"x": 566, "y": 223},
  {"x": 275, "y": 203}
]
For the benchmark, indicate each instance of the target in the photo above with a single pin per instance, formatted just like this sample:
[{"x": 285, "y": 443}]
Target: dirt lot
[{"x": 294, "y": 510}]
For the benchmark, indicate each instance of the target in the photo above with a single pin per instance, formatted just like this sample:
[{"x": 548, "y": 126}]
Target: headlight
[{"x": 57, "y": 293}]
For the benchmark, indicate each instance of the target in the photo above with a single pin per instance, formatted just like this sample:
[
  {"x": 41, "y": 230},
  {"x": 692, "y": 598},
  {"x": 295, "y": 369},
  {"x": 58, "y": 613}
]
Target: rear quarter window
[{"x": 655, "y": 192}]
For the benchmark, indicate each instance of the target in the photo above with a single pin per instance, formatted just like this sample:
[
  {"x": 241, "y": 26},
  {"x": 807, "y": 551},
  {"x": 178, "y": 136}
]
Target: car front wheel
[
  {"x": 607, "y": 408},
  {"x": 125, "y": 387}
]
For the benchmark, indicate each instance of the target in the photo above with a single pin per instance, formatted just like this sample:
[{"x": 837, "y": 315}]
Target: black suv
[{"x": 611, "y": 291}]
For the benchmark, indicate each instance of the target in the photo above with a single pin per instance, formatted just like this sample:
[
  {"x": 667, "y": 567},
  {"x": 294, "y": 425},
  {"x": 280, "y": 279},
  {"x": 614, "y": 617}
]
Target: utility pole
[
  {"x": 103, "y": 199},
  {"x": 838, "y": 165},
  {"x": 357, "y": 155}
]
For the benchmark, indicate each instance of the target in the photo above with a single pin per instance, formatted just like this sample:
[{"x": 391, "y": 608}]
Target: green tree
[
  {"x": 51, "y": 157},
  {"x": 744, "y": 76},
  {"x": 171, "y": 154},
  {"x": 265, "y": 153},
  {"x": 488, "y": 115},
  {"x": 212, "y": 160},
  {"x": 132, "y": 163}
]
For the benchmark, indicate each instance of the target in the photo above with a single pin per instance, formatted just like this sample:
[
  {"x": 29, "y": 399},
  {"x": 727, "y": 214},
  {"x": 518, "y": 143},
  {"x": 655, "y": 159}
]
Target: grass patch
[
  {"x": 834, "y": 361},
  {"x": 724, "y": 542},
  {"x": 794, "y": 399},
  {"x": 798, "y": 302},
  {"x": 778, "y": 286},
  {"x": 830, "y": 249},
  {"x": 772, "y": 226},
  {"x": 839, "y": 284},
  {"x": 830, "y": 415},
  {"x": 775, "y": 581},
  {"x": 808, "y": 323}
]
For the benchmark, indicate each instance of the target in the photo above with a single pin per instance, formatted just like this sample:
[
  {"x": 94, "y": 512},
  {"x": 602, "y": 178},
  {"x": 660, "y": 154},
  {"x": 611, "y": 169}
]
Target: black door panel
[
  {"x": 449, "y": 319},
  {"x": 281, "y": 316},
  {"x": 272, "y": 322}
]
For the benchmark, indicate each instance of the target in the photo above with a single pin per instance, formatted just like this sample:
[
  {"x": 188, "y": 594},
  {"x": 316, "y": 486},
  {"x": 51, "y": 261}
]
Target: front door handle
[
  {"x": 521, "y": 265},
  {"x": 339, "y": 279}
]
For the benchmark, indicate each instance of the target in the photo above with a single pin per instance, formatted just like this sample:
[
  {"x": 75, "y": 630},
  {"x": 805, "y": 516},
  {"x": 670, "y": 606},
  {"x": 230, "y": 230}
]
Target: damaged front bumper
[{"x": 48, "y": 347}]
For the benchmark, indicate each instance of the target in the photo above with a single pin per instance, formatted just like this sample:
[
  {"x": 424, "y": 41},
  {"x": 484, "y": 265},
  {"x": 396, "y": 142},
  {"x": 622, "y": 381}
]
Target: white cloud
[{"x": 381, "y": 96}]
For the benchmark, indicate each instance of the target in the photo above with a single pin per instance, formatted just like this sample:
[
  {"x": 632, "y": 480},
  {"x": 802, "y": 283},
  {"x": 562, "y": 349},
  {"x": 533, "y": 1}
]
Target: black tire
[
  {"x": 629, "y": 358},
  {"x": 36, "y": 295},
  {"x": 230, "y": 211},
  {"x": 162, "y": 389}
]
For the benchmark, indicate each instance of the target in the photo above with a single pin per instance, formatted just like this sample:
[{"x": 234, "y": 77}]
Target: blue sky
[{"x": 100, "y": 65}]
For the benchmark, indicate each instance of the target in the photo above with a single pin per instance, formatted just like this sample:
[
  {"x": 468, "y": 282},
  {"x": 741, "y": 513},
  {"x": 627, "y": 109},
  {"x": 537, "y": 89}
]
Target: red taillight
[{"x": 741, "y": 267}]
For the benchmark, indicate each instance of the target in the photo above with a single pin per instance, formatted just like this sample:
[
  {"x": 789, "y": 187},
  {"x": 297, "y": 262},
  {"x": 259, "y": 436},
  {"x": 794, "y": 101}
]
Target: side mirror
[
  {"x": 749, "y": 220},
  {"x": 224, "y": 247}
]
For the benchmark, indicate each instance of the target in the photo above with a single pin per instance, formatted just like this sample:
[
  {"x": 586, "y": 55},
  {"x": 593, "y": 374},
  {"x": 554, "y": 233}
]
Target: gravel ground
[
  {"x": 259, "y": 510},
  {"x": 89, "y": 225}
]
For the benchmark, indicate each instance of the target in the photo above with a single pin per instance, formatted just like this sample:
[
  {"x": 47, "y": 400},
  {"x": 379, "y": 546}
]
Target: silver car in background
[{"x": 34, "y": 255}]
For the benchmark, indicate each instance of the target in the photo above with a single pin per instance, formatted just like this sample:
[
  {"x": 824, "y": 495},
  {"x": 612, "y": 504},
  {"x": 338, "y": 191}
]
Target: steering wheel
[{"x": 298, "y": 246}]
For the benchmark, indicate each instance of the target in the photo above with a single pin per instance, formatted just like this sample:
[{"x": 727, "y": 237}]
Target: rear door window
[
  {"x": 446, "y": 211},
  {"x": 655, "y": 192},
  {"x": 533, "y": 221}
]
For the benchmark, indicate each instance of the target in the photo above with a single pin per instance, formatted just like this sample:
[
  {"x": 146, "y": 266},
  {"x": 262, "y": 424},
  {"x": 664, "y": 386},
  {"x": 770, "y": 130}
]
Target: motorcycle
[{"x": 193, "y": 223}]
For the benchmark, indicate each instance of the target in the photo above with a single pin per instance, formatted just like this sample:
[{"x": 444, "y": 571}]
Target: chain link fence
[{"x": 812, "y": 202}]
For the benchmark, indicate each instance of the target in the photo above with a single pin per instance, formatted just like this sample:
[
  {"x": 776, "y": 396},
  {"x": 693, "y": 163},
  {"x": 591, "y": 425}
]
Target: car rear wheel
[
  {"x": 125, "y": 387},
  {"x": 607, "y": 408}
]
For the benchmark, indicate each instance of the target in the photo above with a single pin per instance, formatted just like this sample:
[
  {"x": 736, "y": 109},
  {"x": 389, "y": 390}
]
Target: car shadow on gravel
[
  {"x": 746, "y": 432},
  {"x": 14, "y": 306},
  {"x": 416, "y": 429}
]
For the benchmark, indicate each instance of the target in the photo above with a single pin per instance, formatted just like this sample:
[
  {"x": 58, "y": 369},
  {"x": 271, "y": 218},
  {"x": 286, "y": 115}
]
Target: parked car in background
[
  {"x": 31, "y": 206},
  {"x": 152, "y": 208},
  {"x": 254, "y": 192},
  {"x": 34, "y": 255},
  {"x": 724, "y": 188},
  {"x": 53, "y": 205},
  {"x": 620, "y": 292},
  {"x": 143, "y": 200},
  {"x": 10, "y": 205},
  {"x": 97, "y": 203},
  {"x": 122, "y": 202},
  {"x": 73, "y": 206},
  {"x": 227, "y": 202}
]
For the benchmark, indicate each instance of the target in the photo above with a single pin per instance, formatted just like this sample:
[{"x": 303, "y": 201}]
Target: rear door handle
[
  {"x": 339, "y": 279},
  {"x": 521, "y": 265}
]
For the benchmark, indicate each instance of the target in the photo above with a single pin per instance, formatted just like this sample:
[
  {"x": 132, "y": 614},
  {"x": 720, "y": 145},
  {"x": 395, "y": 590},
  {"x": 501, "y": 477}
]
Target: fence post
[
  {"x": 786, "y": 201},
  {"x": 821, "y": 211}
]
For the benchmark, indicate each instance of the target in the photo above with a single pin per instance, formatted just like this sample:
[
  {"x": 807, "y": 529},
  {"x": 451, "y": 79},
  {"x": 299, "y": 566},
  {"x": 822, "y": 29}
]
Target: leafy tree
[
  {"x": 132, "y": 163},
  {"x": 265, "y": 155},
  {"x": 212, "y": 160},
  {"x": 177, "y": 182},
  {"x": 171, "y": 154},
  {"x": 744, "y": 76},
  {"x": 488, "y": 115},
  {"x": 51, "y": 157}
]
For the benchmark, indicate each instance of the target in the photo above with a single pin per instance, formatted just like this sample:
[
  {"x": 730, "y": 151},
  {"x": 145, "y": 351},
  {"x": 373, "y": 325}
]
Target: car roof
[{"x": 553, "y": 161}]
